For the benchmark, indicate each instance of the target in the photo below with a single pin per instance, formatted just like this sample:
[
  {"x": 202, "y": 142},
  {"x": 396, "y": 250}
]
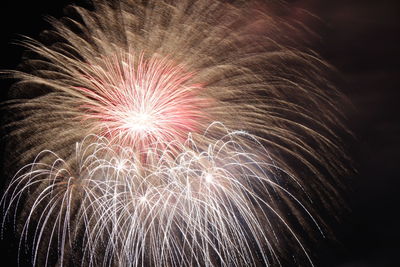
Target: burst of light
[
  {"x": 209, "y": 177},
  {"x": 141, "y": 122},
  {"x": 148, "y": 188},
  {"x": 142, "y": 101},
  {"x": 142, "y": 199},
  {"x": 161, "y": 209}
]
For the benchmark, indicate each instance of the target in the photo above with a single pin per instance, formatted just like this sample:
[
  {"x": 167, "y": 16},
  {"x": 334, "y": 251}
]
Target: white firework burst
[{"x": 213, "y": 207}]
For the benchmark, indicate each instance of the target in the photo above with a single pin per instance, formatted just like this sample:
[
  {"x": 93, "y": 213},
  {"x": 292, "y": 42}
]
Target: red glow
[{"x": 150, "y": 101}]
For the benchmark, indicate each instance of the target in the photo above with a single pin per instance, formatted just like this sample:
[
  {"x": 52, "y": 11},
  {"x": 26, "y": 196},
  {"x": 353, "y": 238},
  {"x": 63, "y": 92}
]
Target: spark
[
  {"x": 208, "y": 177},
  {"x": 198, "y": 208}
]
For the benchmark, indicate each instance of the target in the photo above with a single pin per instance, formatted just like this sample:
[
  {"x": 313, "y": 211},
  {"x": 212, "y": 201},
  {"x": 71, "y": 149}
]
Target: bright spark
[{"x": 209, "y": 178}]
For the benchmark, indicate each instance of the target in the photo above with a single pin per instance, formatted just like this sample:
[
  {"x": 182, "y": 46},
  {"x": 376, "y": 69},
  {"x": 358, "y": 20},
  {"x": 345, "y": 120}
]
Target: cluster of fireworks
[{"x": 171, "y": 133}]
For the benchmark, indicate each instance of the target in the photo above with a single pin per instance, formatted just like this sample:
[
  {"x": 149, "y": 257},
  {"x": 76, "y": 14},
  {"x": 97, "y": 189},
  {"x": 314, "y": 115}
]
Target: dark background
[{"x": 361, "y": 39}]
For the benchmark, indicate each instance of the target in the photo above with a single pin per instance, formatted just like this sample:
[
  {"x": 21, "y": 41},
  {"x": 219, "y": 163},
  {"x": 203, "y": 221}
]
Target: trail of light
[
  {"x": 142, "y": 101},
  {"x": 213, "y": 207}
]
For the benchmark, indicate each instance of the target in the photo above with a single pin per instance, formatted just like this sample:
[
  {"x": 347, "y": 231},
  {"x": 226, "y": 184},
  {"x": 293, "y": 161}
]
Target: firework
[
  {"x": 200, "y": 125},
  {"x": 181, "y": 210}
]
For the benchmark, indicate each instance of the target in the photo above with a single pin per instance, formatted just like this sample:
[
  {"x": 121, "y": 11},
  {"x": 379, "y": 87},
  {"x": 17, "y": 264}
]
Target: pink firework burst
[{"x": 143, "y": 102}]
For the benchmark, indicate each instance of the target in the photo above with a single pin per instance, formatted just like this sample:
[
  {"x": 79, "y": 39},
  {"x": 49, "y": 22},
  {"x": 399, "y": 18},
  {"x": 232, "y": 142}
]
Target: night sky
[{"x": 361, "y": 39}]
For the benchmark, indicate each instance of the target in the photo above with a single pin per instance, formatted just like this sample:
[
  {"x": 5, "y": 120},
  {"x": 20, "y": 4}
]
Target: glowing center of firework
[
  {"x": 140, "y": 102},
  {"x": 141, "y": 122}
]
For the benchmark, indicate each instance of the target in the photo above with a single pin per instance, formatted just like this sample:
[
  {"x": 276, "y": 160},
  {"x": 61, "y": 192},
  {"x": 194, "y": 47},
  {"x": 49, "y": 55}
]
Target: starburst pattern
[
  {"x": 170, "y": 133},
  {"x": 143, "y": 103},
  {"x": 181, "y": 210}
]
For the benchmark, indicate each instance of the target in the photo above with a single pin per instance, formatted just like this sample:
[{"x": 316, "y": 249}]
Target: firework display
[{"x": 171, "y": 133}]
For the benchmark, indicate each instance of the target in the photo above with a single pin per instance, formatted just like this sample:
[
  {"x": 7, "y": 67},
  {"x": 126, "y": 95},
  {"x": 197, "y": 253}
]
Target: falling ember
[
  {"x": 211, "y": 198},
  {"x": 138, "y": 103}
]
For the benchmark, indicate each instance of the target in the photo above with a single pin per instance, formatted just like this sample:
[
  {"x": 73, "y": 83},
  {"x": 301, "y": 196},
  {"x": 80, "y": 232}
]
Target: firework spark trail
[
  {"x": 248, "y": 78},
  {"x": 143, "y": 105},
  {"x": 140, "y": 82},
  {"x": 190, "y": 209}
]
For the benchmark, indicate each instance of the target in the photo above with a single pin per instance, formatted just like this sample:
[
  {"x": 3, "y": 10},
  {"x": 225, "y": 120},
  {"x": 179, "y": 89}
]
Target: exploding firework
[
  {"x": 213, "y": 207},
  {"x": 137, "y": 84}
]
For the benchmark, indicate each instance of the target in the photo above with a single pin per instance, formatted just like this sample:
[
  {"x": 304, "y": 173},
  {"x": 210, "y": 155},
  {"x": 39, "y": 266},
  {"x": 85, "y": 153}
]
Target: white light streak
[{"x": 213, "y": 207}]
